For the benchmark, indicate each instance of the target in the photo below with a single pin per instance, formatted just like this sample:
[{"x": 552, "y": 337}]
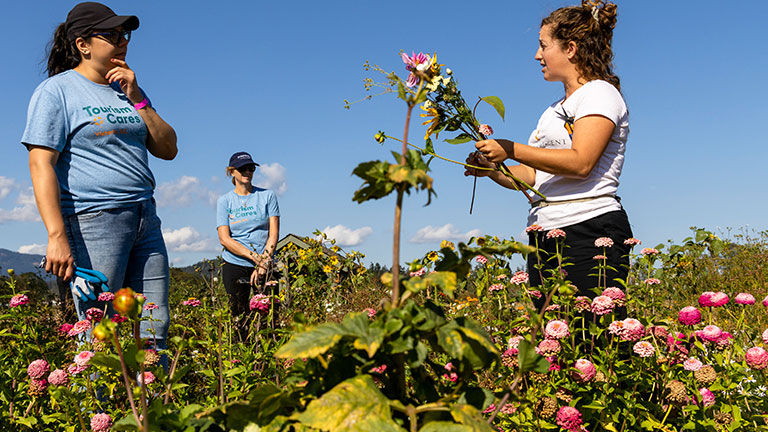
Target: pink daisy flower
[
  {"x": 744, "y": 299},
  {"x": 649, "y": 251},
  {"x": 83, "y": 357},
  {"x": 106, "y": 297},
  {"x": 719, "y": 299},
  {"x": 193, "y": 302},
  {"x": 370, "y": 311},
  {"x": 18, "y": 300},
  {"x": 602, "y": 305},
  {"x": 651, "y": 281},
  {"x": 496, "y": 287},
  {"x": 513, "y": 343},
  {"x": 101, "y": 422},
  {"x": 420, "y": 272},
  {"x": 37, "y": 369},
  {"x": 644, "y": 349},
  {"x": 151, "y": 306},
  {"x": 548, "y": 347},
  {"x": 58, "y": 378},
  {"x": 117, "y": 318},
  {"x": 604, "y": 242},
  {"x": 632, "y": 241},
  {"x": 569, "y": 418},
  {"x": 418, "y": 62},
  {"x": 501, "y": 277},
  {"x": 765, "y": 301},
  {"x": 556, "y": 329},
  {"x": 633, "y": 330},
  {"x": 65, "y": 328},
  {"x": 552, "y": 307},
  {"x": 94, "y": 314},
  {"x": 711, "y": 333},
  {"x": 535, "y": 293},
  {"x": 79, "y": 327},
  {"x": 616, "y": 328},
  {"x": 260, "y": 303},
  {"x": 534, "y": 228},
  {"x": 692, "y": 364},
  {"x": 147, "y": 379},
  {"x": 582, "y": 303},
  {"x": 616, "y": 294},
  {"x": 765, "y": 336},
  {"x": 705, "y": 299},
  {"x": 689, "y": 315},
  {"x": 586, "y": 371},
  {"x": 379, "y": 369},
  {"x": 485, "y": 129},
  {"x": 519, "y": 278},
  {"x": 599, "y": 257},
  {"x": 481, "y": 259},
  {"x": 757, "y": 358},
  {"x": 75, "y": 369},
  {"x": 555, "y": 233},
  {"x": 707, "y": 397}
]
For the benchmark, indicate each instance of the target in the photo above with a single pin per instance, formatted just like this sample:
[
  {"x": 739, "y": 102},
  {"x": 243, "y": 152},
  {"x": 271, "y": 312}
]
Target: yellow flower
[
  {"x": 433, "y": 122},
  {"x": 432, "y": 256},
  {"x": 327, "y": 268},
  {"x": 434, "y": 67},
  {"x": 335, "y": 248},
  {"x": 334, "y": 261},
  {"x": 446, "y": 244},
  {"x": 302, "y": 252}
]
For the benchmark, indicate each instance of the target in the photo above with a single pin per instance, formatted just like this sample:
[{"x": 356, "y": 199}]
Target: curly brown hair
[{"x": 590, "y": 27}]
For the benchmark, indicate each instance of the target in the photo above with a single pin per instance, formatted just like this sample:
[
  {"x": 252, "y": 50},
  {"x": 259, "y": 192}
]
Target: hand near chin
[{"x": 124, "y": 75}]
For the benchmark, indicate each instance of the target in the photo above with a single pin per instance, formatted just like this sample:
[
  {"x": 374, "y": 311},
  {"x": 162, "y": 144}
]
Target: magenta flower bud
[
  {"x": 586, "y": 371},
  {"x": 711, "y": 333},
  {"x": 485, "y": 129},
  {"x": 719, "y": 299},
  {"x": 37, "y": 369},
  {"x": 689, "y": 315},
  {"x": 707, "y": 397},
  {"x": 705, "y": 299},
  {"x": 556, "y": 329},
  {"x": 101, "y": 422},
  {"x": 744, "y": 299},
  {"x": 569, "y": 418},
  {"x": 757, "y": 358}
]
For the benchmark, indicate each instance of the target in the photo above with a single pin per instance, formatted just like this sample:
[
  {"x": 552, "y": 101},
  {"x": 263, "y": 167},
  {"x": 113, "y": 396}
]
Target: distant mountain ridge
[{"x": 20, "y": 262}]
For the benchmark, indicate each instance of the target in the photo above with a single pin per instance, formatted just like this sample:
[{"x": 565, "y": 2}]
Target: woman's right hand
[
  {"x": 58, "y": 258},
  {"x": 478, "y": 160}
]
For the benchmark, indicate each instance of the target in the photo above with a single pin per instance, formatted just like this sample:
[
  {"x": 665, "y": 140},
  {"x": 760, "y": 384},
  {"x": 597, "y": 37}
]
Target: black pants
[
  {"x": 237, "y": 282},
  {"x": 580, "y": 250}
]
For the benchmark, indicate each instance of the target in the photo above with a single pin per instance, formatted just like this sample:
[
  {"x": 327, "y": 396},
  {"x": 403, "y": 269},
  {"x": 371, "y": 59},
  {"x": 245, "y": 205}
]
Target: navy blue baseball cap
[{"x": 240, "y": 159}]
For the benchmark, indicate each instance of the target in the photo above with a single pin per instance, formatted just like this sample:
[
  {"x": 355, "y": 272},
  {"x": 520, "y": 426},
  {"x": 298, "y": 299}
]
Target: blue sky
[{"x": 270, "y": 78}]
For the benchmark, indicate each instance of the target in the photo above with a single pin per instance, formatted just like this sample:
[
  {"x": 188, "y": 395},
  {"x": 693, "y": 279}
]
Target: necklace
[{"x": 243, "y": 200}]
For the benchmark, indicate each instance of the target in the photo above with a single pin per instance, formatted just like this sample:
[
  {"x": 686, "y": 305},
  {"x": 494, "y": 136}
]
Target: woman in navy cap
[
  {"x": 248, "y": 224},
  {"x": 89, "y": 128}
]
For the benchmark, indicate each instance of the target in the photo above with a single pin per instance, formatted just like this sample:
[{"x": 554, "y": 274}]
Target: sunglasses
[
  {"x": 114, "y": 36},
  {"x": 245, "y": 168}
]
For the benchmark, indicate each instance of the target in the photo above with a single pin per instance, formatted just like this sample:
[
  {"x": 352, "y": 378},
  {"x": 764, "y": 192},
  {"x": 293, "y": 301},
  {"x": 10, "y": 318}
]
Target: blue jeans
[{"x": 126, "y": 244}]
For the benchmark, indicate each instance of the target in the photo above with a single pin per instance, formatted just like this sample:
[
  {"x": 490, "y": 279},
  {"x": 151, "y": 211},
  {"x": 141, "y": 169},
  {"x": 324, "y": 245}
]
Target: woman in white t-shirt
[{"x": 575, "y": 155}]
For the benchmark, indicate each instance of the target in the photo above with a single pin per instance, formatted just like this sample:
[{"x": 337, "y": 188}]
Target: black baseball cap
[
  {"x": 88, "y": 16},
  {"x": 240, "y": 159}
]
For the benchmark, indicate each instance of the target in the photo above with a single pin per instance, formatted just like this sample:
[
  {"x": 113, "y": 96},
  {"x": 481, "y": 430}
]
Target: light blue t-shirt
[
  {"x": 100, "y": 138},
  {"x": 248, "y": 220}
]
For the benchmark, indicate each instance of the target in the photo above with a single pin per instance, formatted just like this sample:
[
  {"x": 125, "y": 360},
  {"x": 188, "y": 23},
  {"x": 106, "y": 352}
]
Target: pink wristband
[{"x": 141, "y": 104}]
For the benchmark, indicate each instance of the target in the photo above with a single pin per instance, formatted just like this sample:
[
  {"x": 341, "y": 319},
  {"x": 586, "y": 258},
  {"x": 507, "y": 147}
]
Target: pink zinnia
[
  {"x": 599, "y": 257},
  {"x": 548, "y": 347},
  {"x": 65, "y": 328},
  {"x": 147, "y": 379},
  {"x": 75, "y": 369},
  {"x": 649, "y": 251},
  {"x": 485, "y": 129},
  {"x": 555, "y": 233},
  {"x": 513, "y": 343},
  {"x": 501, "y": 277},
  {"x": 705, "y": 299},
  {"x": 744, "y": 299},
  {"x": 496, "y": 287},
  {"x": 370, "y": 311},
  {"x": 38, "y": 386},
  {"x": 633, "y": 330},
  {"x": 19, "y": 300},
  {"x": 94, "y": 314},
  {"x": 535, "y": 293},
  {"x": 117, "y": 318},
  {"x": 586, "y": 371},
  {"x": 616, "y": 294},
  {"x": 379, "y": 369},
  {"x": 644, "y": 349},
  {"x": 765, "y": 301},
  {"x": 481, "y": 259},
  {"x": 101, "y": 422},
  {"x": 193, "y": 302},
  {"x": 651, "y": 281},
  {"x": 765, "y": 336},
  {"x": 106, "y": 297},
  {"x": 260, "y": 303},
  {"x": 58, "y": 378},
  {"x": 533, "y": 228},
  {"x": 582, "y": 303},
  {"x": 689, "y": 315},
  {"x": 602, "y": 305},
  {"x": 519, "y": 278},
  {"x": 719, "y": 299},
  {"x": 616, "y": 328},
  {"x": 692, "y": 364},
  {"x": 757, "y": 358},
  {"x": 556, "y": 329},
  {"x": 553, "y": 307},
  {"x": 151, "y": 306},
  {"x": 707, "y": 397},
  {"x": 37, "y": 369},
  {"x": 711, "y": 333},
  {"x": 604, "y": 242},
  {"x": 82, "y": 358},
  {"x": 569, "y": 418},
  {"x": 79, "y": 327},
  {"x": 420, "y": 272},
  {"x": 632, "y": 241}
]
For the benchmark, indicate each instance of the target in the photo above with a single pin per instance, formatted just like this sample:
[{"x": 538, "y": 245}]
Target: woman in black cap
[
  {"x": 89, "y": 127},
  {"x": 248, "y": 224}
]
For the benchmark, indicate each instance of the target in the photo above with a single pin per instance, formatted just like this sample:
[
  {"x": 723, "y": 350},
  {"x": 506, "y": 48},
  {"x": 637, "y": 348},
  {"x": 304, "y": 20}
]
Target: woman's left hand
[
  {"x": 123, "y": 74},
  {"x": 493, "y": 150}
]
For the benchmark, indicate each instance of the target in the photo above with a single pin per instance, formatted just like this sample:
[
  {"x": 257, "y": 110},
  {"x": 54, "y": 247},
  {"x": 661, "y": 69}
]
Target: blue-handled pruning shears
[{"x": 86, "y": 282}]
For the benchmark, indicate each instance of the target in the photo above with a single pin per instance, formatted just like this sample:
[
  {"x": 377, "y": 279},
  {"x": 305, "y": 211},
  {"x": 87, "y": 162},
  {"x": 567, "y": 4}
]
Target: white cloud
[
  {"x": 187, "y": 239},
  {"x": 6, "y": 186},
  {"x": 272, "y": 176},
  {"x": 185, "y": 191},
  {"x": 34, "y": 248},
  {"x": 430, "y": 234},
  {"x": 346, "y": 236},
  {"x": 25, "y": 211}
]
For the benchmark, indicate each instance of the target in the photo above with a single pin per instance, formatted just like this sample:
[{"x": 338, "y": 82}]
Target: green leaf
[
  {"x": 355, "y": 405},
  {"x": 401, "y": 90},
  {"x": 109, "y": 361},
  {"x": 444, "y": 426},
  {"x": 528, "y": 358},
  {"x": 369, "y": 338},
  {"x": 470, "y": 417},
  {"x": 496, "y": 103},
  {"x": 312, "y": 343},
  {"x": 449, "y": 339},
  {"x": 428, "y": 146},
  {"x": 460, "y": 139}
]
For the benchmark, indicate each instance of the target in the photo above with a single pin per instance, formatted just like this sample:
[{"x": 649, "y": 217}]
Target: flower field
[{"x": 678, "y": 346}]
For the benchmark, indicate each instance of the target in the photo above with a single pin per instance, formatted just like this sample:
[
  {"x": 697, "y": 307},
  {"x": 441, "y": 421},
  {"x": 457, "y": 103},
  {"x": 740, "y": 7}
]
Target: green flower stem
[
  {"x": 500, "y": 167},
  {"x": 128, "y": 388},
  {"x": 143, "y": 392},
  {"x": 173, "y": 370}
]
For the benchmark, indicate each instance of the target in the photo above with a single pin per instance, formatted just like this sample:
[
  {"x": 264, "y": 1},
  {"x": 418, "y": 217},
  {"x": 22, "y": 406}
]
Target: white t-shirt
[{"x": 596, "y": 97}]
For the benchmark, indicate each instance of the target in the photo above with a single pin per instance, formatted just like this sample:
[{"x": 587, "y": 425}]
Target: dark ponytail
[{"x": 62, "y": 54}]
